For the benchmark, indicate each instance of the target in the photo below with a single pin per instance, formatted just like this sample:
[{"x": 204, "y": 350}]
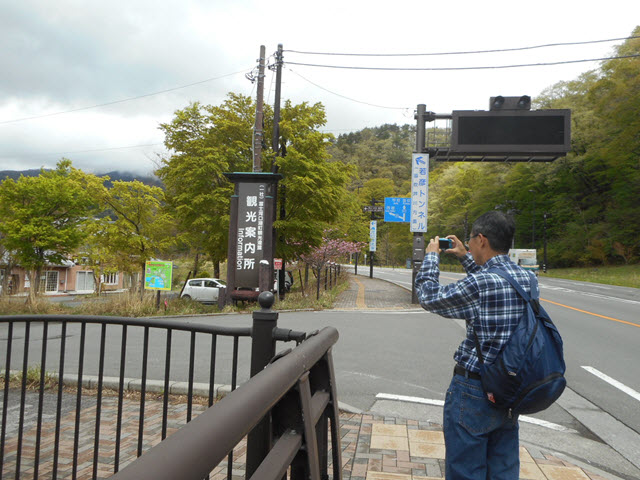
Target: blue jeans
[{"x": 481, "y": 440}]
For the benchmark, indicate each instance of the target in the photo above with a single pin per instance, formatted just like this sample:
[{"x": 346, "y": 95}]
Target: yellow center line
[
  {"x": 360, "y": 298},
  {"x": 591, "y": 313}
]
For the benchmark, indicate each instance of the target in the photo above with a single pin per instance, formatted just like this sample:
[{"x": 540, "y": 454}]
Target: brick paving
[{"x": 373, "y": 447}]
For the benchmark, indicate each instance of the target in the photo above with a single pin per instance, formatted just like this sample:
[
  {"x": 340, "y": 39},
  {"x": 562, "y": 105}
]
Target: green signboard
[{"x": 157, "y": 275}]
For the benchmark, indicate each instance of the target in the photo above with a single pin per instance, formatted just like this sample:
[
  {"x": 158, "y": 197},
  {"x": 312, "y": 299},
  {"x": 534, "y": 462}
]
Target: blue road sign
[{"x": 397, "y": 209}]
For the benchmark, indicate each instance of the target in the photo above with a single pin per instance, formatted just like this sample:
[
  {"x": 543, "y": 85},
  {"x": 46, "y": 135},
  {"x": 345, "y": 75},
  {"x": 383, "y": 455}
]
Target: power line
[
  {"x": 345, "y": 97},
  {"x": 491, "y": 67},
  {"x": 120, "y": 101},
  {"x": 462, "y": 52},
  {"x": 84, "y": 151}
]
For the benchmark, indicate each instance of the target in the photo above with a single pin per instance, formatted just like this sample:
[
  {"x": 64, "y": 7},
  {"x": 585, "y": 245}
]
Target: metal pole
[
  {"x": 275, "y": 145},
  {"x": 544, "y": 261},
  {"x": 263, "y": 349},
  {"x": 420, "y": 127},
  {"x": 533, "y": 221},
  {"x": 257, "y": 131},
  {"x": 281, "y": 272},
  {"x": 231, "y": 250}
]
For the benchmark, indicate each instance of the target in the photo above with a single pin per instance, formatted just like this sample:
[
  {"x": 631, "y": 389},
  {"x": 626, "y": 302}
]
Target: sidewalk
[
  {"x": 372, "y": 293},
  {"x": 373, "y": 447}
]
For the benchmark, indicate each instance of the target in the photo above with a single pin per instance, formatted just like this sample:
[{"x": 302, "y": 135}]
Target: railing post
[{"x": 263, "y": 349}]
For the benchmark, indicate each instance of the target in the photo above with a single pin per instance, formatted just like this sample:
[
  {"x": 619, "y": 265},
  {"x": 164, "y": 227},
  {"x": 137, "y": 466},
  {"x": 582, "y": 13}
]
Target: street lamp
[
  {"x": 544, "y": 258},
  {"x": 533, "y": 222},
  {"x": 512, "y": 211}
]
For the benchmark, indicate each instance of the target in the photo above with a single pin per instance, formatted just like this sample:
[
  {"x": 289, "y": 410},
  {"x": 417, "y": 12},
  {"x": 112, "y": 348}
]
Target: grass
[
  {"x": 32, "y": 380},
  {"x": 130, "y": 305},
  {"x": 620, "y": 275}
]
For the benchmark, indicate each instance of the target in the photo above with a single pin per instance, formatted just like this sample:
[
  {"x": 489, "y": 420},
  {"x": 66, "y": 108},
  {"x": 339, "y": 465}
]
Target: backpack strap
[
  {"x": 525, "y": 296},
  {"x": 531, "y": 299}
]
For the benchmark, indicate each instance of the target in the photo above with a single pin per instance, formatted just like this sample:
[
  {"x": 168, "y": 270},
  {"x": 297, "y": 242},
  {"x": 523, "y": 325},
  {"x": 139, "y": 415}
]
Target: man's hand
[
  {"x": 433, "y": 246},
  {"x": 459, "y": 250}
]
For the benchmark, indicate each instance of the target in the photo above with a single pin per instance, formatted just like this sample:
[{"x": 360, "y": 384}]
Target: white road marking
[
  {"x": 589, "y": 294},
  {"x": 376, "y": 377},
  {"x": 611, "y": 381},
  {"x": 404, "y": 398},
  {"x": 440, "y": 403}
]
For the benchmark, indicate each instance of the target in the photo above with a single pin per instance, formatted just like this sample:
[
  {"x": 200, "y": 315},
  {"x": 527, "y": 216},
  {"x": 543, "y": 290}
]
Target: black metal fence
[
  {"x": 53, "y": 432},
  {"x": 296, "y": 393}
]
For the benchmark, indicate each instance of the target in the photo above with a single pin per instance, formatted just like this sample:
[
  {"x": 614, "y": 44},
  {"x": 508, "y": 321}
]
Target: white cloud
[{"x": 71, "y": 54}]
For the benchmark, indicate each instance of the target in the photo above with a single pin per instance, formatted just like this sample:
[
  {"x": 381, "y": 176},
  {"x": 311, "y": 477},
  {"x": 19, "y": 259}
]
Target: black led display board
[{"x": 515, "y": 132}]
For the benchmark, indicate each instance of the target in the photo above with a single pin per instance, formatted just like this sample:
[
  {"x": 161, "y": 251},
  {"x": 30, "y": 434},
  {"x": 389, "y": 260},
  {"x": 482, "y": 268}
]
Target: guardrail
[
  {"x": 34, "y": 440},
  {"x": 297, "y": 391}
]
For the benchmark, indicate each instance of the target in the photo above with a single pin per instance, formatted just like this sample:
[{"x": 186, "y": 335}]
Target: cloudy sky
[{"x": 91, "y": 81}]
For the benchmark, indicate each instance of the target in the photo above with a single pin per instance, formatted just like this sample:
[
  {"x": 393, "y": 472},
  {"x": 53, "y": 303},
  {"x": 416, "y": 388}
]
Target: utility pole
[
  {"x": 276, "y": 109},
  {"x": 275, "y": 145},
  {"x": 257, "y": 131}
]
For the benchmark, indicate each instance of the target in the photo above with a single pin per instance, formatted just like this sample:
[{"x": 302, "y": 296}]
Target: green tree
[
  {"x": 316, "y": 194},
  {"x": 593, "y": 192},
  {"x": 206, "y": 142},
  {"x": 137, "y": 227},
  {"x": 42, "y": 217},
  {"x": 209, "y": 140}
]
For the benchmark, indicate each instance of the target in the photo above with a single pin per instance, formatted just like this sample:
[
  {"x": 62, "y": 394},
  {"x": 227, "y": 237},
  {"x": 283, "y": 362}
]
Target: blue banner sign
[{"x": 397, "y": 209}]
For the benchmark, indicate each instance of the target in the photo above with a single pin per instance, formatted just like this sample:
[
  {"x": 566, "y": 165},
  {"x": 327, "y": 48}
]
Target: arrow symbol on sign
[{"x": 393, "y": 214}]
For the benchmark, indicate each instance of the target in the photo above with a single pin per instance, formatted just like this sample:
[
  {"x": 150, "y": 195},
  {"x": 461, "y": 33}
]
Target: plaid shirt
[{"x": 482, "y": 299}]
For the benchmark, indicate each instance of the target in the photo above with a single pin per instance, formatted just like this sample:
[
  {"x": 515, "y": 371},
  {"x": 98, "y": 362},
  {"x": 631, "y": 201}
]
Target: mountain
[
  {"x": 129, "y": 177},
  {"x": 115, "y": 175}
]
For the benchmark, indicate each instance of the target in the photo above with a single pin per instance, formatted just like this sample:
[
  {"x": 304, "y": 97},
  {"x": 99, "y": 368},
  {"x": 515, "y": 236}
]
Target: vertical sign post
[
  {"x": 419, "y": 204},
  {"x": 373, "y": 238},
  {"x": 251, "y": 234},
  {"x": 250, "y": 241},
  {"x": 157, "y": 276},
  {"x": 373, "y": 235},
  {"x": 419, "y": 192}
]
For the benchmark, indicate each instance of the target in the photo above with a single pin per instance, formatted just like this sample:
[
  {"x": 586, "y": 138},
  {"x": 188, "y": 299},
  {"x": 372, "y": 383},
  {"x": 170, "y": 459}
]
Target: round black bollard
[{"x": 266, "y": 300}]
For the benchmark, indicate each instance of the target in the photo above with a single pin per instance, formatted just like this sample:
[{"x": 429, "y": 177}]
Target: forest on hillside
[{"x": 587, "y": 204}]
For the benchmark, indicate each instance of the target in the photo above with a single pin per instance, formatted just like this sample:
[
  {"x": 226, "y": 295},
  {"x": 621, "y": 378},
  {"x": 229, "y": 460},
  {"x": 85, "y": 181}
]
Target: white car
[{"x": 205, "y": 290}]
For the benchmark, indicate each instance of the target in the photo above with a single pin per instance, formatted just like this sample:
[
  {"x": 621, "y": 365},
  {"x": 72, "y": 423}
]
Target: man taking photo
[{"x": 481, "y": 440}]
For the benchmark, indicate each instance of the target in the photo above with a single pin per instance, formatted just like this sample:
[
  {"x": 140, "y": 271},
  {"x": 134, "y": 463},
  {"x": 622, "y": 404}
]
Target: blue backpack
[{"x": 527, "y": 376}]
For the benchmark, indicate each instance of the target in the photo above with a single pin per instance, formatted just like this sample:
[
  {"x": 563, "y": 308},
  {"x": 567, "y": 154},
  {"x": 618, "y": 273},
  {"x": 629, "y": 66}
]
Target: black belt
[{"x": 460, "y": 370}]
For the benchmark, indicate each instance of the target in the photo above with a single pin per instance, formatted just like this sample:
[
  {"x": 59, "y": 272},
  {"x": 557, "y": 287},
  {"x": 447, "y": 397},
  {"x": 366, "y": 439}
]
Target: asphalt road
[{"x": 600, "y": 325}]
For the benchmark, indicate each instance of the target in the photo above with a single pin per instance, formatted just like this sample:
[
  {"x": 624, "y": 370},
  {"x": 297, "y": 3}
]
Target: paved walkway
[
  {"x": 373, "y": 447},
  {"x": 371, "y": 293}
]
